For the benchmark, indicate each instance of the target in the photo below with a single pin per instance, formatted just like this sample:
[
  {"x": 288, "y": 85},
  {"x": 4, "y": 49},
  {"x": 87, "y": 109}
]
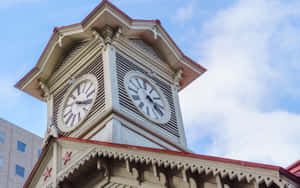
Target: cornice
[{"x": 181, "y": 163}]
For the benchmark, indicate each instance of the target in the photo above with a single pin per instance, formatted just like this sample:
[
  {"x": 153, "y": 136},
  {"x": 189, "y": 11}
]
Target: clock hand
[
  {"x": 149, "y": 98},
  {"x": 89, "y": 101}
]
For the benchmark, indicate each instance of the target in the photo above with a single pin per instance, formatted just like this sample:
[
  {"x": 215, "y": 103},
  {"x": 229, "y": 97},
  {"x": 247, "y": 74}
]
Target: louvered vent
[
  {"x": 124, "y": 66},
  {"x": 71, "y": 54},
  {"x": 145, "y": 47},
  {"x": 96, "y": 68}
]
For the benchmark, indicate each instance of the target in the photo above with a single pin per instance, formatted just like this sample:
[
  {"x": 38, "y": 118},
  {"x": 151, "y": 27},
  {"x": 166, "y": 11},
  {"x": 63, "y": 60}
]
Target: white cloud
[
  {"x": 236, "y": 97},
  {"x": 184, "y": 13}
]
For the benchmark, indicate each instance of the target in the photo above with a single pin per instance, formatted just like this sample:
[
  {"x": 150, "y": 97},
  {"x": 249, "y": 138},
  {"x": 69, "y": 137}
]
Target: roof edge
[
  {"x": 186, "y": 154},
  {"x": 157, "y": 21}
]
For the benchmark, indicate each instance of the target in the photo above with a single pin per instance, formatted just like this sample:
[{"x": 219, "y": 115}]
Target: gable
[
  {"x": 145, "y": 47},
  {"x": 63, "y": 40}
]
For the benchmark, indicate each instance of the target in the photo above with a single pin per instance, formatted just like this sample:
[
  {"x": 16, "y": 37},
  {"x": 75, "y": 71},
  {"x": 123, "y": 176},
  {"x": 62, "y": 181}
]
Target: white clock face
[
  {"x": 147, "y": 98},
  {"x": 78, "y": 102}
]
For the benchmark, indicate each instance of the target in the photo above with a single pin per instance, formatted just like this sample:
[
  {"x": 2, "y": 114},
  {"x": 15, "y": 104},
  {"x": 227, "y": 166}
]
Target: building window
[
  {"x": 39, "y": 153},
  {"x": 2, "y": 137},
  {"x": 1, "y": 162},
  {"x": 20, "y": 171},
  {"x": 21, "y": 146}
]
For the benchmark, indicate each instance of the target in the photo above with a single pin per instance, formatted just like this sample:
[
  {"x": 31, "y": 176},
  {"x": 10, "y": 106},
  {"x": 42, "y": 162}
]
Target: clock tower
[
  {"x": 114, "y": 79},
  {"x": 111, "y": 86}
]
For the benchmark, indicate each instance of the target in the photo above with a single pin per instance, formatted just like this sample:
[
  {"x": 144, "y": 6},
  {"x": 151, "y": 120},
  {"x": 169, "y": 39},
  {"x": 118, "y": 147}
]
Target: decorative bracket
[
  {"x": 117, "y": 33},
  {"x": 45, "y": 89},
  {"x": 102, "y": 165},
  {"x": 51, "y": 132},
  {"x": 155, "y": 31},
  {"x": 97, "y": 36},
  {"x": 107, "y": 33},
  {"x": 219, "y": 181},
  {"x": 60, "y": 38},
  {"x": 163, "y": 179},
  {"x": 178, "y": 77}
]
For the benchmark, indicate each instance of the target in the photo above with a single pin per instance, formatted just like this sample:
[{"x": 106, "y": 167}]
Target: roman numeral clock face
[
  {"x": 78, "y": 102},
  {"x": 147, "y": 97}
]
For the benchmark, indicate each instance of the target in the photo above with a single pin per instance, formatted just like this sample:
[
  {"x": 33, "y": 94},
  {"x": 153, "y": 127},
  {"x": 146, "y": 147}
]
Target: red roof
[
  {"x": 295, "y": 168},
  {"x": 205, "y": 157}
]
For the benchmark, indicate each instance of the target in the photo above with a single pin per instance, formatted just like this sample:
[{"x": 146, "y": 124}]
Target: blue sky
[{"x": 248, "y": 103}]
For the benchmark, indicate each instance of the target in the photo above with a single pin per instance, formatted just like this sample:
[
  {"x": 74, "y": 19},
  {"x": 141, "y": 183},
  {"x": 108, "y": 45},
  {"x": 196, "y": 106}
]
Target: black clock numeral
[
  {"x": 159, "y": 112},
  {"x": 158, "y": 108},
  {"x": 79, "y": 118},
  {"x": 145, "y": 84},
  {"x": 151, "y": 91},
  {"x": 156, "y": 117},
  {"x": 65, "y": 115},
  {"x": 136, "y": 97},
  {"x": 148, "y": 111},
  {"x": 134, "y": 85},
  {"x": 141, "y": 105},
  {"x": 78, "y": 90},
  {"x": 156, "y": 98},
  {"x": 86, "y": 110},
  {"x": 137, "y": 80},
  {"x": 69, "y": 118},
  {"x": 132, "y": 90},
  {"x": 83, "y": 87},
  {"x": 88, "y": 95},
  {"x": 88, "y": 88},
  {"x": 74, "y": 117}
]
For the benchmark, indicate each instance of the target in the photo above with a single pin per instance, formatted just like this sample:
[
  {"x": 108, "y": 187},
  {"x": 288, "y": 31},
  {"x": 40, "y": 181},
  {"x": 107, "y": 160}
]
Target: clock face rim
[
  {"x": 87, "y": 77},
  {"x": 167, "y": 116}
]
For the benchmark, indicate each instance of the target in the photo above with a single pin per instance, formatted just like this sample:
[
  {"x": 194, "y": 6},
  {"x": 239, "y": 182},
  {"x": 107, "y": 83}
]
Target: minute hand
[{"x": 89, "y": 101}]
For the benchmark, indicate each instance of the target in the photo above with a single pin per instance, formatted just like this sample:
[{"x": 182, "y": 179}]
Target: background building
[{"x": 19, "y": 151}]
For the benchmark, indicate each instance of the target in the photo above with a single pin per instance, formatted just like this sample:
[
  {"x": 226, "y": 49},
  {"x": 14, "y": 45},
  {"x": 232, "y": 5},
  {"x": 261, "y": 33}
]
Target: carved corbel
[
  {"x": 117, "y": 33},
  {"x": 102, "y": 165},
  {"x": 60, "y": 39},
  {"x": 184, "y": 175},
  {"x": 155, "y": 31},
  {"x": 98, "y": 37},
  {"x": 192, "y": 183},
  {"x": 134, "y": 172},
  {"x": 219, "y": 181},
  {"x": 45, "y": 90},
  {"x": 178, "y": 77},
  {"x": 107, "y": 33},
  {"x": 155, "y": 172},
  {"x": 163, "y": 179},
  {"x": 50, "y": 132}
]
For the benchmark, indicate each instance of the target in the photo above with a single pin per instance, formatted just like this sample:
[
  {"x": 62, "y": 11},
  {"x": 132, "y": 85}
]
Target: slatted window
[
  {"x": 124, "y": 66},
  {"x": 95, "y": 68}
]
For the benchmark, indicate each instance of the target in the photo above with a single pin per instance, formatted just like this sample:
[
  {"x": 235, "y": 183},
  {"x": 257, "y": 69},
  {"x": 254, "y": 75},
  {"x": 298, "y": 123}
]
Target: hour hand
[
  {"x": 89, "y": 101},
  {"x": 149, "y": 98}
]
